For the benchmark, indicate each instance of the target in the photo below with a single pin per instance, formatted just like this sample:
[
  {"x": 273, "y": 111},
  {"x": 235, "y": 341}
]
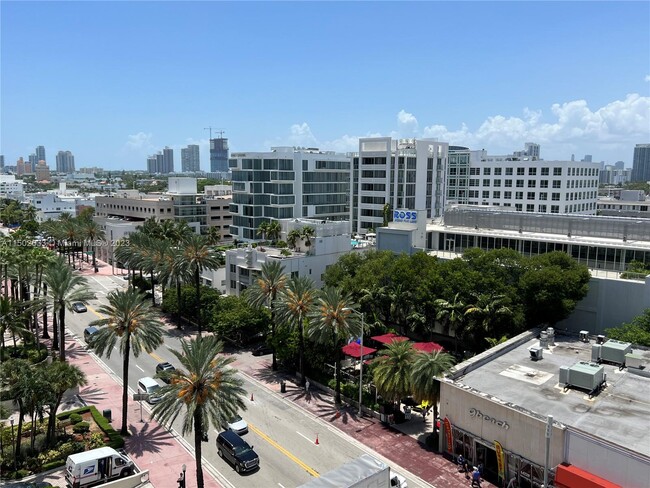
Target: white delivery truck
[
  {"x": 363, "y": 472},
  {"x": 96, "y": 466}
]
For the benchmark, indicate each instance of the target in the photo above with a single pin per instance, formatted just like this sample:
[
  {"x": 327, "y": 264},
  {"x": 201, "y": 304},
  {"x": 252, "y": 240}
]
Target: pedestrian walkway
[{"x": 402, "y": 449}]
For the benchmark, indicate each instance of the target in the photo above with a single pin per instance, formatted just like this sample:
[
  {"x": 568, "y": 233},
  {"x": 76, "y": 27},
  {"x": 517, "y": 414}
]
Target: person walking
[
  {"x": 476, "y": 478},
  {"x": 307, "y": 385}
]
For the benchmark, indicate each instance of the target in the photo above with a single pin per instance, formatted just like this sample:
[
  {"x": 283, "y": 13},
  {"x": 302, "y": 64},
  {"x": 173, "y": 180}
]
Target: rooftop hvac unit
[
  {"x": 595, "y": 352},
  {"x": 583, "y": 375},
  {"x": 614, "y": 351},
  {"x": 600, "y": 339},
  {"x": 584, "y": 335},
  {"x": 536, "y": 352},
  {"x": 543, "y": 339}
]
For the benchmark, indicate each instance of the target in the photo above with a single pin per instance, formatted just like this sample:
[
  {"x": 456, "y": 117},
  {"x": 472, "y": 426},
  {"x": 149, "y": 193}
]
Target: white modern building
[
  {"x": 390, "y": 174},
  {"x": 522, "y": 182},
  {"x": 628, "y": 203},
  {"x": 287, "y": 182},
  {"x": 50, "y": 206},
  {"x": 10, "y": 187},
  {"x": 331, "y": 240}
]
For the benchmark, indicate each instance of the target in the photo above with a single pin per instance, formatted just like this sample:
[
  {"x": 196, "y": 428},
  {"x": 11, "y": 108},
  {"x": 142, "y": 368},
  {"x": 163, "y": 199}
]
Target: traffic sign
[{"x": 138, "y": 397}]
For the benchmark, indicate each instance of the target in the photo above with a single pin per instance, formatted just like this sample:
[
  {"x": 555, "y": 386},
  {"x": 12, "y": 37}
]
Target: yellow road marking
[{"x": 311, "y": 471}]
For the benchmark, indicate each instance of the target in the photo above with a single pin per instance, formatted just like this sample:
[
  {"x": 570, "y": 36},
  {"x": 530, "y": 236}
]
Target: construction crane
[{"x": 218, "y": 131}]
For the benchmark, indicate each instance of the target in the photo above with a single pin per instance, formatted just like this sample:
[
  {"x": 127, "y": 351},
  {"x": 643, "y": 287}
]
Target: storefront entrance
[{"x": 487, "y": 456}]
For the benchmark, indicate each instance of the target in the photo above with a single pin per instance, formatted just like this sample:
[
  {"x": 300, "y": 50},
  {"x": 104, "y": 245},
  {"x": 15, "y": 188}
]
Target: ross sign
[
  {"x": 474, "y": 413},
  {"x": 450, "y": 446},
  {"x": 501, "y": 460},
  {"x": 408, "y": 216},
  {"x": 139, "y": 397}
]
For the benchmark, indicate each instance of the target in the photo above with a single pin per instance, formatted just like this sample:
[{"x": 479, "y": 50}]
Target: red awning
[
  {"x": 389, "y": 338},
  {"x": 427, "y": 346},
  {"x": 569, "y": 476},
  {"x": 354, "y": 349}
]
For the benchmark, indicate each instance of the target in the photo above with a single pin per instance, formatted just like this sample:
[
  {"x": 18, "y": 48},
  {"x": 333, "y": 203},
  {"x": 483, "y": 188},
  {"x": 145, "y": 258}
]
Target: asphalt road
[{"x": 282, "y": 434}]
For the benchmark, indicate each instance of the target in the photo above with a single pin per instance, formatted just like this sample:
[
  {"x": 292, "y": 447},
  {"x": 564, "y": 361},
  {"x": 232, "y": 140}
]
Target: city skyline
[{"x": 323, "y": 75}]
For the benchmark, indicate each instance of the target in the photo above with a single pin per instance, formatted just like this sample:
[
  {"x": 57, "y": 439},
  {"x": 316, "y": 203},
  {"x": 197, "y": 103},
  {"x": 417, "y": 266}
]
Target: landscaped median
[{"x": 77, "y": 430}]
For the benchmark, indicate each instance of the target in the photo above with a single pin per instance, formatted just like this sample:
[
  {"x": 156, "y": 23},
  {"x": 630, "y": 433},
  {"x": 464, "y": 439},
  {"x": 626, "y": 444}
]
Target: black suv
[
  {"x": 237, "y": 451},
  {"x": 164, "y": 371}
]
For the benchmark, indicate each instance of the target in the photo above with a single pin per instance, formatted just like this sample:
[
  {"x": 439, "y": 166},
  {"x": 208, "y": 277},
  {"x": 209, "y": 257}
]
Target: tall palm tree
[
  {"x": 392, "y": 371},
  {"x": 65, "y": 288},
  {"x": 453, "y": 313},
  {"x": 293, "y": 237},
  {"x": 133, "y": 322},
  {"x": 425, "y": 373},
  {"x": 333, "y": 322},
  {"x": 61, "y": 377},
  {"x": 294, "y": 304},
  {"x": 274, "y": 230},
  {"x": 205, "y": 387},
  {"x": 92, "y": 232},
  {"x": 195, "y": 256},
  {"x": 307, "y": 233},
  {"x": 270, "y": 281},
  {"x": 263, "y": 230},
  {"x": 15, "y": 377},
  {"x": 213, "y": 236},
  {"x": 487, "y": 309},
  {"x": 12, "y": 319}
]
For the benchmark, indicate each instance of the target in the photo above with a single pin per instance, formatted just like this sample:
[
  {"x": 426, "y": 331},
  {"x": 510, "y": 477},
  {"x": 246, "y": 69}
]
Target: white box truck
[
  {"x": 96, "y": 466},
  {"x": 363, "y": 472}
]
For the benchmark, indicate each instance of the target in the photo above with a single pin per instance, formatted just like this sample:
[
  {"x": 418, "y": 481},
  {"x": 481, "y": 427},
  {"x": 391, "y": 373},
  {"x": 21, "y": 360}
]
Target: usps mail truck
[{"x": 96, "y": 466}]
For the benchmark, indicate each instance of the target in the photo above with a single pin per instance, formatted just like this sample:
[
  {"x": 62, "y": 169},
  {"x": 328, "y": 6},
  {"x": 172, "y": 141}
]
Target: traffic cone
[
  {"x": 252, "y": 399},
  {"x": 338, "y": 413},
  {"x": 317, "y": 443}
]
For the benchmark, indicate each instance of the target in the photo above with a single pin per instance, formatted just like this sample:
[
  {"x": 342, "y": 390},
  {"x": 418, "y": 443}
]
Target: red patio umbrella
[
  {"x": 427, "y": 346},
  {"x": 354, "y": 349},
  {"x": 389, "y": 338}
]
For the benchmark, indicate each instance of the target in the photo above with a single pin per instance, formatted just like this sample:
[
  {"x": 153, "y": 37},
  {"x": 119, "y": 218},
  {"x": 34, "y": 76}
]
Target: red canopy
[
  {"x": 389, "y": 338},
  {"x": 427, "y": 346},
  {"x": 354, "y": 349}
]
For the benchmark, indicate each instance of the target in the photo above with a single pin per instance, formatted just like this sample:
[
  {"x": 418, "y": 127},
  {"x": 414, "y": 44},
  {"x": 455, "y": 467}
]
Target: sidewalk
[{"x": 402, "y": 449}]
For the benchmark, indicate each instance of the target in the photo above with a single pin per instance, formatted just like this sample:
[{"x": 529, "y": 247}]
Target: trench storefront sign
[
  {"x": 450, "y": 446},
  {"x": 477, "y": 414}
]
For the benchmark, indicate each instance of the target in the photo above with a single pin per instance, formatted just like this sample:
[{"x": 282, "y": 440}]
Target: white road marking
[
  {"x": 305, "y": 437},
  {"x": 139, "y": 368},
  {"x": 280, "y": 485}
]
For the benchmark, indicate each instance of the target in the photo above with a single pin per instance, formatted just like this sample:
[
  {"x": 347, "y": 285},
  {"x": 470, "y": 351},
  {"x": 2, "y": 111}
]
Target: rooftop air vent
[
  {"x": 536, "y": 352},
  {"x": 614, "y": 351},
  {"x": 584, "y": 335}
]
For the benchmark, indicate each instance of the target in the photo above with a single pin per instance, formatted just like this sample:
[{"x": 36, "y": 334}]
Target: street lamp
[
  {"x": 181, "y": 480},
  {"x": 362, "y": 315}
]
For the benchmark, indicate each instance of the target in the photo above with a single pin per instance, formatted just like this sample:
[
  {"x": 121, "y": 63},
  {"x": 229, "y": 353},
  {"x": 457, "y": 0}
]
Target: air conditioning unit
[
  {"x": 536, "y": 352},
  {"x": 584, "y": 335},
  {"x": 600, "y": 339},
  {"x": 614, "y": 351}
]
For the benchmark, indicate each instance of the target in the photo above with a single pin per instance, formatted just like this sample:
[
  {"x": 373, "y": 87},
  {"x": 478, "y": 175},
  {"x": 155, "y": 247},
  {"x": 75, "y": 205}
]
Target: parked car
[
  {"x": 89, "y": 332},
  {"x": 262, "y": 350},
  {"x": 164, "y": 371},
  {"x": 237, "y": 451},
  {"x": 79, "y": 307},
  {"x": 237, "y": 424},
  {"x": 150, "y": 386}
]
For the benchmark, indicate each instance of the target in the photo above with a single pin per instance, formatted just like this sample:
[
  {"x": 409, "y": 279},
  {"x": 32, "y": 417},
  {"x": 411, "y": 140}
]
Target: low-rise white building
[
  {"x": 10, "y": 187},
  {"x": 50, "y": 206}
]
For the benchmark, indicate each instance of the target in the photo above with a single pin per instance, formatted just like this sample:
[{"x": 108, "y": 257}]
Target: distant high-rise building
[
  {"x": 641, "y": 163},
  {"x": 33, "y": 160},
  {"x": 40, "y": 153},
  {"x": 168, "y": 160},
  {"x": 42, "y": 171},
  {"x": 587, "y": 159},
  {"x": 531, "y": 150},
  {"x": 20, "y": 167},
  {"x": 64, "y": 162},
  {"x": 190, "y": 159},
  {"x": 219, "y": 154},
  {"x": 151, "y": 164},
  {"x": 619, "y": 165},
  {"x": 2, "y": 163}
]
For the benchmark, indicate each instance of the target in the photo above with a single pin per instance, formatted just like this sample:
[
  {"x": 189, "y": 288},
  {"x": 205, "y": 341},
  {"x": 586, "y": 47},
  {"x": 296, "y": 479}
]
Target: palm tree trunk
[
  {"x": 55, "y": 331},
  {"x": 197, "y": 284},
  {"x": 46, "y": 335},
  {"x": 125, "y": 385},
  {"x": 19, "y": 433},
  {"x": 178, "y": 303},
  {"x": 62, "y": 332},
  {"x": 338, "y": 370},
  {"x": 301, "y": 353},
  {"x": 94, "y": 257},
  {"x": 198, "y": 438},
  {"x": 274, "y": 362},
  {"x": 153, "y": 290}
]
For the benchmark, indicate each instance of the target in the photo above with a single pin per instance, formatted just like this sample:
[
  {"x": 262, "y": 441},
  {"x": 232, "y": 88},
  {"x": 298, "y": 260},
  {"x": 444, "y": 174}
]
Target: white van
[
  {"x": 96, "y": 466},
  {"x": 151, "y": 387}
]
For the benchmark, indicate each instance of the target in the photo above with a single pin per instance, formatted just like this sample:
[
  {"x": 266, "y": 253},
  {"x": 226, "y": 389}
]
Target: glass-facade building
[
  {"x": 287, "y": 183},
  {"x": 219, "y": 155}
]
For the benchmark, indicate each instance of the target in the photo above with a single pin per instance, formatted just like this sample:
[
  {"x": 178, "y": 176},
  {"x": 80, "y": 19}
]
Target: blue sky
[{"x": 115, "y": 81}]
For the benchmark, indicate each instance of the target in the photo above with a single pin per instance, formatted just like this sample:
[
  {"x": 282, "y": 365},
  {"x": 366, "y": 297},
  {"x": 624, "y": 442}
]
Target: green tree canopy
[{"x": 637, "y": 332}]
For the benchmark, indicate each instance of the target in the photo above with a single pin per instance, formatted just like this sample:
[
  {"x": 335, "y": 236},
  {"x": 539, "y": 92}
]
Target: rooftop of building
[{"x": 619, "y": 413}]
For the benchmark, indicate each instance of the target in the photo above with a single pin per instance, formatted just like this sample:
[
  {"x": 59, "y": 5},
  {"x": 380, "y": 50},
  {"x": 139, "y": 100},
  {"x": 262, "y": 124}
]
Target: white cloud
[
  {"x": 139, "y": 141},
  {"x": 407, "y": 123},
  {"x": 301, "y": 135},
  {"x": 647, "y": 78}
]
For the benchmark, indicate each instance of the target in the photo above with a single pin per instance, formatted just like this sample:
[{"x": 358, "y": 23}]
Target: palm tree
[
  {"x": 453, "y": 313},
  {"x": 135, "y": 324},
  {"x": 426, "y": 369},
  {"x": 334, "y": 321},
  {"x": 264, "y": 291},
  {"x": 213, "y": 236},
  {"x": 12, "y": 319},
  {"x": 61, "y": 377},
  {"x": 205, "y": 387},
  {"x": 307, "y": 233},
  {"x": 92, "y": 232},
  {"x": 293, "y": 237},
  {"x": 392, "y": 371},
  {"x": 263, "y": 230},
  {"x": 295, "y": 303},
  {"x": 15, "y": 377},
  {"x": 487, "y": 309},
  {"x": 274, "y": 230},
  {"x": 65, "y": 288},
  {"x": 195, "y": 256}
]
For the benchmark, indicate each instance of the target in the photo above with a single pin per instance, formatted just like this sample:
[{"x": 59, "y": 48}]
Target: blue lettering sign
[{"x": 409, "y": 216}]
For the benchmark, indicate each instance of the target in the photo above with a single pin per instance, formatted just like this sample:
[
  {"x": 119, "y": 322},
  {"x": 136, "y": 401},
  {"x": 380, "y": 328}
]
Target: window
[
  {"x": 557, "y": 184},
  {"x": 508, "y": 171},
  {"x": 473, "y": 182},
  {"x": 532, "y": 183},
  {"x": 530, "y": 207},
  {"x": 518, "y": 207},
  {"x": 497, "y": 171},
  {"x": 474, "y": 171},
  {"x": 543, "y": 184},
  {"x": 507, "y": 195},
  {"x": 486, "y": 194},
  {"x": 487, "y": 171},
  {"x": 496, "y": 183},
  {"x": 541, "y": 208},
  {"x": 544, "y": 171},
  {"x": 543, "y": 196},
  {"x": 557, "y": 171},
  {"x": 520, "y": 171},
  {"x": 530, "y": 196},
  {"x": 555, "y": 209},
  {"x": 555, "y": 197},
  {"x": 508, "y": 183},
  {"x": 532, "y": 171},
  {"x": 519, "y": 195},
  {"x": 486, "y": 182},
  {"x": 496, "y": 194},
  {"x": 520, "y": 183}
]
